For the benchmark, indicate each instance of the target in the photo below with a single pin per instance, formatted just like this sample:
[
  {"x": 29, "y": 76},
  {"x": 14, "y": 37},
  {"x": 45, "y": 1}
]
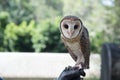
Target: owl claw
[
  {"x": 68, "y": 68},
  {"x": 78, "y": 66}
]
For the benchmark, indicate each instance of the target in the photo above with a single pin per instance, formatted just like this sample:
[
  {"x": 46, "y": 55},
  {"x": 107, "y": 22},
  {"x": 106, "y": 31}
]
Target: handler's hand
[{"x": 71, "y": 73}]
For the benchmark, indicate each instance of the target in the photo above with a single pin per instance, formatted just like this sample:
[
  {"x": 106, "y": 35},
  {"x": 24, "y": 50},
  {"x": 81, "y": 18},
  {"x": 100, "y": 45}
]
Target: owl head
[{"x": 71, "y": 26}]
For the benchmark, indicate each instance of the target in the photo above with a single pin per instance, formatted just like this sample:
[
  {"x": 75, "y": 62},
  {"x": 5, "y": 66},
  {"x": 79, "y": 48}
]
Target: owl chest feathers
[
  {"x": 73, "y": 45},
  {"x": 75, "y": 48}
]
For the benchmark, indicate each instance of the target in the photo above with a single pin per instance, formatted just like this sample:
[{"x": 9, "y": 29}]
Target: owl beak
[{"x": 70, "y": 33}]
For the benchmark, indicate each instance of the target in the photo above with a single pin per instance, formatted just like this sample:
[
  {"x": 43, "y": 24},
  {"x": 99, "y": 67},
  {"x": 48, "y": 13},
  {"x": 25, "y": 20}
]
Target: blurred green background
[{"x": 33, "y": 25}]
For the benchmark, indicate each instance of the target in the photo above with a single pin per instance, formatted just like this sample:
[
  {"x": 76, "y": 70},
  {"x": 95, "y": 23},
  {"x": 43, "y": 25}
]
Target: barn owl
[{"x": 76, "y": 39}]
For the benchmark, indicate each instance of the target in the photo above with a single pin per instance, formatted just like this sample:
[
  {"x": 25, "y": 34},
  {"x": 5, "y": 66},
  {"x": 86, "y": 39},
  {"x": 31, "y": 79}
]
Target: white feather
[{"x": 75, "y": 47}]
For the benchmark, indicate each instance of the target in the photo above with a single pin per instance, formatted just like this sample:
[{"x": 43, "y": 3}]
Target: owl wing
[{"x": 85, "y": 46}]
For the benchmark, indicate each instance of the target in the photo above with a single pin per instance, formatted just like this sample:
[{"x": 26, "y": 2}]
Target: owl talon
[
  {"x": 68, "y": 68},
  {"x": 78, "y": 66}
]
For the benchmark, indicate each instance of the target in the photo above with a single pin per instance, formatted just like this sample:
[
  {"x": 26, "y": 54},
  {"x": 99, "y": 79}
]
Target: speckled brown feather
[{"x": 85, "y": 47}]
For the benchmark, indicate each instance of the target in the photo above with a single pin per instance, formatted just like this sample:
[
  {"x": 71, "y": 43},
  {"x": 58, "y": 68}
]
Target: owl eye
[
  {"x": 66, "y": 26},
  {"x": 76, "y": 26}
]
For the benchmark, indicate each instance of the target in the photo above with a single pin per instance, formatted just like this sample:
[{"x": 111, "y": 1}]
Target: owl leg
[
  {"x": 80, "y": 62},
  {"x": 83, "y": 65},
  {"x": 80, "y": 66}
]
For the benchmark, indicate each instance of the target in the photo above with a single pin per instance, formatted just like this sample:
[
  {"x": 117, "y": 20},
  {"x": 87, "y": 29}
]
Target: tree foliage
[
  {"x": 33, "y": 26},
  {"x": 13, "y": 11},
  {"x": 112, "y": 21},
  {"x": 43, "y": 37},
  {"x": 18, "y": 37}
]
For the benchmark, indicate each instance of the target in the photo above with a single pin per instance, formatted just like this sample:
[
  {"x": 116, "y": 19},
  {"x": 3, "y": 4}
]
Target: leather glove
[{"x": 71, "y": 73}]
